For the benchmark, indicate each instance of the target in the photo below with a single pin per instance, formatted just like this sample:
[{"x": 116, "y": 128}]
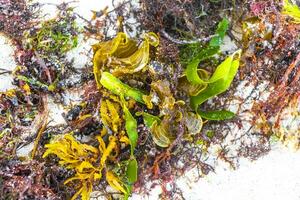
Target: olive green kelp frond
[{"x": 122, "y": 55}]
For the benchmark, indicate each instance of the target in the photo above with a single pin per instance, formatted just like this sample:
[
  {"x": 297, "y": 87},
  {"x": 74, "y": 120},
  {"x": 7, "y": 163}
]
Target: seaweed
[
  {"x": 291, "y": 10},
  {"x": 158, "y": 94}
]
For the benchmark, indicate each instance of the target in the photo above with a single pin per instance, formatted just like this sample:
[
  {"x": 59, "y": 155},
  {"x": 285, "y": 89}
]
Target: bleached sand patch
[{"x": 6, "y": 63}]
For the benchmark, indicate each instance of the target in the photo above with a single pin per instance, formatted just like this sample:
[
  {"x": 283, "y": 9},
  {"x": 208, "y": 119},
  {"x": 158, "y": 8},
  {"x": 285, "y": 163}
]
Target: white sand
[{"x": 6, "y": 62}]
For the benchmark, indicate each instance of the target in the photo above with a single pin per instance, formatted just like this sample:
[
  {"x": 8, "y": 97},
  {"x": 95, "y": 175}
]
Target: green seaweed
[
  {"x": 216, "y": 114},
  {"x": 116, "y": 86},
  {"x": 230, "y": 67}
]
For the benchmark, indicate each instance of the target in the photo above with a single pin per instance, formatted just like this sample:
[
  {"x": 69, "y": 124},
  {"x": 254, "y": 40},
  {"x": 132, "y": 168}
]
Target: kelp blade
[
  {"x": 131, "y": 128},
  {"x": 122, "y": 55},
  {"x": 211, "y": 50},
  {"x": 216, "y": 115},
  {"x": 192, "y": 68},
  {"x": 132, "y": 170},
  {"x": 102, "y": 51},
  {"x": 220, "y": 85},
  {"x": 117, "y": 87}
]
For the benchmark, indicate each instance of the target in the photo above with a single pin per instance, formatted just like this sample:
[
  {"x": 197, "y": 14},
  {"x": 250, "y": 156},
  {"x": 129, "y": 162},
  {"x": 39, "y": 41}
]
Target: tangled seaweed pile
[{"x": 152, "y": 105}]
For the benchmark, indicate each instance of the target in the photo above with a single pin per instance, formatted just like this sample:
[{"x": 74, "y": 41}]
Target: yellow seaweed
[
  {"x": 291, "y": 10},
  {"x": 77, "y": 156},
  {"x": 106, "y": 151},
  {"x": 109, "y": 113},
  {"x": 122, "y": 55},
  {"x": 71, "y": 152},
  {"x": 115, "y": 182}
]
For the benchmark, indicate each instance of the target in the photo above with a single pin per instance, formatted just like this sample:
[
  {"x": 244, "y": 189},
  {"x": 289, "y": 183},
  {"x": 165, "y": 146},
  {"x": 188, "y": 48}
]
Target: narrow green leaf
[
  {"x": 131, "y": 128},
  {"x": 216, "y": 115},
  {"x": 116, "y": 86},
  {"x": 132, "y": 170}
]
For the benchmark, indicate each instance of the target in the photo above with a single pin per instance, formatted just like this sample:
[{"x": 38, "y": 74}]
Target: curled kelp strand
[{"x": 122, "y": 55}]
